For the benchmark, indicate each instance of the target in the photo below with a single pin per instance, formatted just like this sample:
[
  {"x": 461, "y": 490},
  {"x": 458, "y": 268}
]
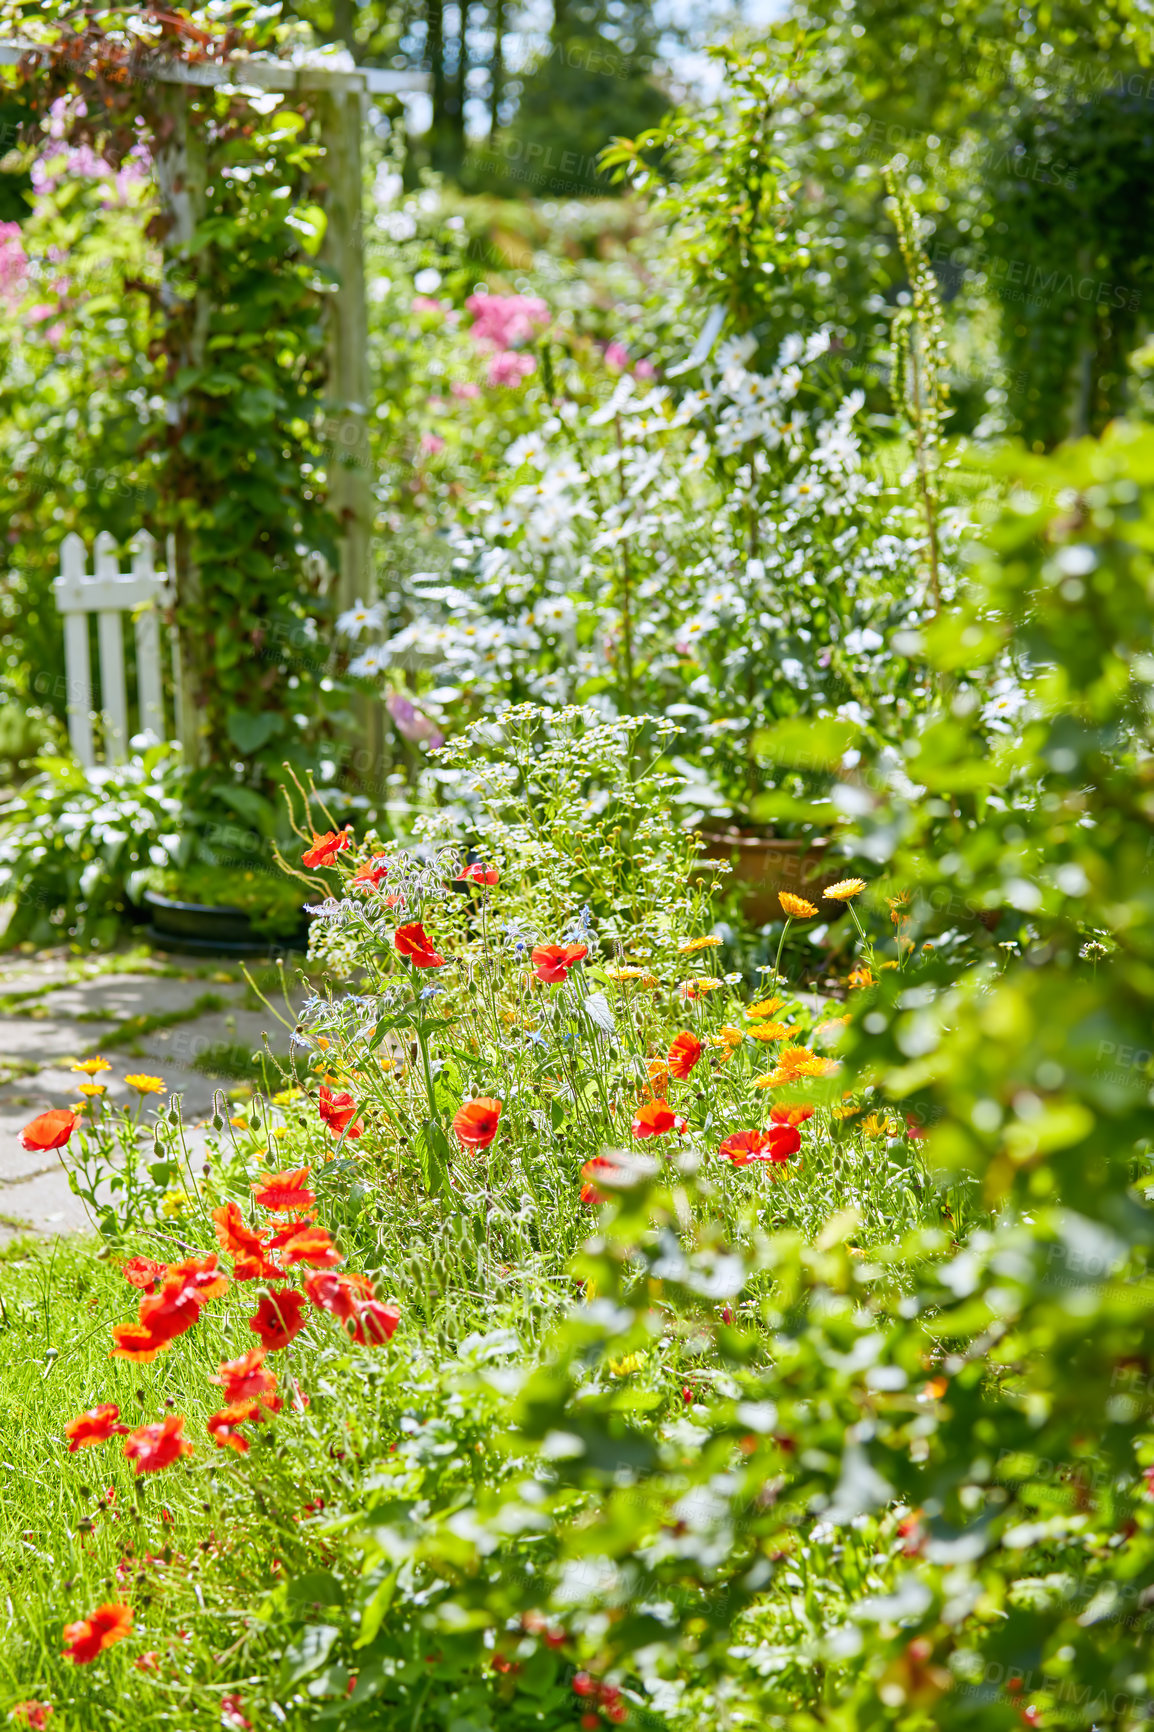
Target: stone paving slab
[{"x": 42, "y": 1037}]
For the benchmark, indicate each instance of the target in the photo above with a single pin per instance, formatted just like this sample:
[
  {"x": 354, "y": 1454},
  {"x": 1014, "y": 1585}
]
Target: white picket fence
[{"x": 109, "y": 593}]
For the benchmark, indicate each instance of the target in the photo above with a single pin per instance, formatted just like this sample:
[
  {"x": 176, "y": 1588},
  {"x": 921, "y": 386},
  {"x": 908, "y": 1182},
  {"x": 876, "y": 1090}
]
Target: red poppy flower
[
  {"x": 197, "y": 1275},
  {"x": 683, "y": 1055},
  {"x": 553, "y": 961},
  {"x": 308, "y": 1244},
  {"x": 285, "y": 1192},
  {"x": 231, "y": 1715},
  {"x": 479, "y": 874},
  {"x": 153, "y": 1447},
  {"x": 142, "y": 1272},
  {"x": 350, "y": 1298},
  {"x": 278, "y": 1318},
  {"x": 475, "y": 1122},
  {"x": 412, "y": 941},
  {"x": 790, "y": 1115},
  {"x": 50, "y": 1131},
  {"x": 85, "y": 1640},
  {"x": 589, "y": 1172},
  {"x": 776, "y": 1144},
  {"x": 657, "y": 1119},
  {"x": 95, "y": 1426},
  {"x": 372, "y": 872},
  {"x": 339, "y": 1113},
  {"x": 248, "y": 1379},
  {"x": 222, "y": 1426},
  {"x": 325, "y": 848},
  {"x": 34, "y": 1714},
  {"x": 247, "y": 1247}
]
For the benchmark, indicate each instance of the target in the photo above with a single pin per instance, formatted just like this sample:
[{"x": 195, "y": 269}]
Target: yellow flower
[
  {"x": 146, "y": 1085},
  {"x": 239, "y": 1123},
  {"x": 729, "y": 1038},
  {"x": 79, "y": 1106},
  {"x": 175, "y": 1203},
  {"x": 796, "y": 906},
  {"x": 773, "y": 1030},
  {"x": 625, "y": 973},
  {"x": 845, "y": 891},
  {"x": 692, "y": 945},
  {"x": 280, "y": 1131},
  {"x": 93, "y": 1089},
  {"x": 91, "y": 1066},
  {"x": 793, "y": 1063},
  {"x": 766, "y": 1007},
  {"x": 831, "y": 1027},
  {"x": 860, "y": 975},
  {"x": 623, "y": 1367},
  {"x": 281, "y": 1099},
  {"x": 697, "y": 987},
  {"x": 878, "y": 1125}
]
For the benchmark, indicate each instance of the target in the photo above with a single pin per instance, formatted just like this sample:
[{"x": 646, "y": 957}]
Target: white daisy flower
[{"x": 361, "y": 617}]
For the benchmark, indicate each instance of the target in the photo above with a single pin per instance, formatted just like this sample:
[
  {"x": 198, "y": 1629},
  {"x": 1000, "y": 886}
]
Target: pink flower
[
  {"x": 432, "y": 443},
  {"x": 510, "y": 368},
  {"x": 644, "y": 370},
  {"x": 410, "y": 723},
  {"x": 426, "y": 304},
  {"x": 501, "y": 321},
  {"x": 617, "y": 355},
  {"x": 459, "y": 387}
]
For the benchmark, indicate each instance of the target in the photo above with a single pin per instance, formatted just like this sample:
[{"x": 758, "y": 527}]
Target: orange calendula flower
[
  {"x": 728, "y": 1039},
  {"x": 690, "y": 946},
  {"x": 796, "y": 906},
  {"x": 765, "y": 1007},
  {"x": 325, "y": 848},
  {"x": 150, "y": 1448},
  {"x": 657, "y": 1119},
  {"x": 146, "y": 1085},
  {"x": 50, "y": 1131},
  {"x": 657, "y": 1071},
  {"x": 248, "y": 1379},
  {"x": 698, "y": 987},
  {"x": 772, "y": 1030},
  {"x": 793, "y": 1064},
  {"x": 91, "y": 1090},
  {"x": 845, "y": 891},
  {"x": 222, "y": 1427},
  {"x": 285, "y": 1193},
  {"x": 684, "y": 1053},
  {"x": 92, "y": 1066},
  {"x": 279, "y": 1317},
  {"x": 475, "y": 1122},
  {"x": 109, "y": 1623},
  {"x": 95, "y": 1426},
  {"x": 859, "y": 976},
  {"x": 831, "y": 1027}
]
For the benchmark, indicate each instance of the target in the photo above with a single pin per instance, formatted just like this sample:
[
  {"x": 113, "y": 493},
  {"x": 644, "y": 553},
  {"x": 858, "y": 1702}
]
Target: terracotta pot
[{"x": 765, "y": 865}]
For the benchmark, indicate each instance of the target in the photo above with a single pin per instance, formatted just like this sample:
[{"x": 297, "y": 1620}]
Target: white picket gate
[{"x": 109, "y": 593}]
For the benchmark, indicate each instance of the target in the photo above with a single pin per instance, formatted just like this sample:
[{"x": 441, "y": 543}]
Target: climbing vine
[{"x": 230, "y": 461}]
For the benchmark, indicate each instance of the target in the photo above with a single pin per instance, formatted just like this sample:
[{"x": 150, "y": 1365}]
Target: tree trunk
[
  {"x": 497, "y": 68},
  {"x": 460, "y": 87},
  {"x": 343, "y": 13},
  {"x": 435, "y": 50}
]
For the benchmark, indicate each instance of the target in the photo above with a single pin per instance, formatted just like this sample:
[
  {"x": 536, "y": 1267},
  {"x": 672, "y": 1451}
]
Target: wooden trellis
[{"x": 342, "y": 95}]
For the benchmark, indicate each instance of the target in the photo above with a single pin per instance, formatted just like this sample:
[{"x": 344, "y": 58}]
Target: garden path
[{"x": 195, "y": 1024}]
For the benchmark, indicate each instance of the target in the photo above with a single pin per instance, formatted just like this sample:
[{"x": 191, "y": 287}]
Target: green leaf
[
  {"x": 249, "y": 731},
  {"x": 307, "y": 1654}
]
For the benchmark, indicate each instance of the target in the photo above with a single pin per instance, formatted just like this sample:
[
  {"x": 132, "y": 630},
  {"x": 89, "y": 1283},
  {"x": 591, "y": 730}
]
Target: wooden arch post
[{"x": 343, "y": 94}]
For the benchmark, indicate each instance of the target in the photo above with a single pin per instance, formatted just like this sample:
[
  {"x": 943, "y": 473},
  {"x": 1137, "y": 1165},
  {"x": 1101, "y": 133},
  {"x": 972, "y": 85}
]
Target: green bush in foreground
[{"x": 854, "y": 1436}]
